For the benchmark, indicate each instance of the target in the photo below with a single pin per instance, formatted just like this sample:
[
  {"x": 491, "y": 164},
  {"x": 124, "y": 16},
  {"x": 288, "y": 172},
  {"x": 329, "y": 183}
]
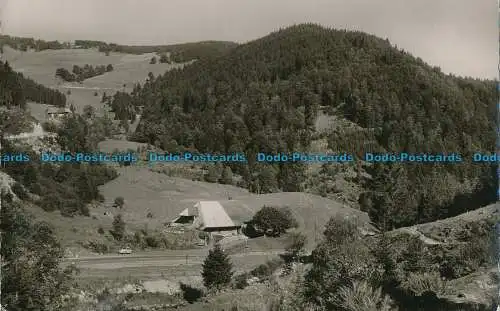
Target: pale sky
[{"x": 460, "y": 36}]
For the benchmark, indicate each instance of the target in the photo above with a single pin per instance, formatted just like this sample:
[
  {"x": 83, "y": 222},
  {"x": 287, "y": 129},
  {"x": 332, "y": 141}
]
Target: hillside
[
  {"x": 16, "y": 90},
  {"x": 264, "y": 96},
  {"x": 179, "y": 53},
  {"x": 464, "y": 246}
]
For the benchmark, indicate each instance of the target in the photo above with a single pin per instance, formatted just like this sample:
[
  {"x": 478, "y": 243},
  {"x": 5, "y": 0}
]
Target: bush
[
  {"x": 97, "y": 247},
  {"x": 274, "y": 220},
  {"x": 49, "y": 205},
  {"x": 164, "y": 58},
  {"x": 118, "y": 231},
  {"x": 85, "y": 210},
  {"x": 267, "y": 269},
  {"x": 119, "y": 202},
  {"x": 361, "y": 296},
  {"x": 100, "y": 230},
  {"x": 49, "y": 127},
  {"x": 100, "y": 198},
  {"x": 189, "y": 293},
  {"x": 19, "y": 191},
  {"x": 296, "y": 246},
  {"x": 419, "y": 283},
  {"x": 152, "y": 242},
  {"x": 240, "y": 281},
  {"x": 36, "y": 188}
]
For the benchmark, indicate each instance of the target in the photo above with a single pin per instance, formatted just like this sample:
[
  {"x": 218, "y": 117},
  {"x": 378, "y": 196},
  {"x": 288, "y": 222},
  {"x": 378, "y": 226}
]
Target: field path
[{"x": 423, "y": 238}]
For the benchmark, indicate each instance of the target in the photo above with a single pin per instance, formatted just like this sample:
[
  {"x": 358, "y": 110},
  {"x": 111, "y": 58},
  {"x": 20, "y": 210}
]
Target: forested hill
[
  {"x": 264, "y": 96},
  {"x": 15, "y": 90}
]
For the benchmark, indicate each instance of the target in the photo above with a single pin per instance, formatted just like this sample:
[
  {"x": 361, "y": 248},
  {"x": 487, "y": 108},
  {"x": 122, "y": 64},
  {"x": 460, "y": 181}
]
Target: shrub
[
  {"x": 118, "y": 227},
  {"x": 119, "y": 202},
  {"x": 49, "y": 127},
  {"x": 36, "y": 189},
  {"x": 97, "y": 247},
  {"x": 189, "y": 293},
  {"x": 361, "y": 296},
  {"x": 152, "y": 242},
  {"x": 49, "y": 205},
  {"x": 274, "y": 220},
  {"x": 241, "y": 281},
  {"x": 85, "y": 210},
  {"x": 100, "y": 230},
  {"x": 267, "y": 269},
  {"x": 419, "y": 283},
  {"x": 297, "y": 244},
  {"x": 19, "y": 191},
  {"x": 100, "y": 198}
]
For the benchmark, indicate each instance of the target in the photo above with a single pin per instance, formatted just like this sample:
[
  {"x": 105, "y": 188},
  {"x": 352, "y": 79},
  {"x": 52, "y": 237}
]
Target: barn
[{"x": 208, "y": 216}]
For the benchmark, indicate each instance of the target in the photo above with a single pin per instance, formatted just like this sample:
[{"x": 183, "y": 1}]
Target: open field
[
  {"x": 164, "y": 197},
  {"x": 146, "y": 191},
  {"x": 128, "y": 70}
]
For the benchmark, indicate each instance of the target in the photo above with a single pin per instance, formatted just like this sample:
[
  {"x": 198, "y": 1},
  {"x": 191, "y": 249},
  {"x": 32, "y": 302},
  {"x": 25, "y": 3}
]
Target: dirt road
[{"x": 150, "y": 265}]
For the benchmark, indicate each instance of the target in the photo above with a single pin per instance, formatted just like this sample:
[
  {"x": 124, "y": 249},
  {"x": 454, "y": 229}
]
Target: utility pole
[{"x": 315, "y": 230}]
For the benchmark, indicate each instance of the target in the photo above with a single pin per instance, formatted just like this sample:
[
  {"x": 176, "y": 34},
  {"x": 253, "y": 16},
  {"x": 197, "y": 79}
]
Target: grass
[
  {"x": 110, "y": 145},
  {"x": 146, "y": 191},
  {"x": 128, "y": 70}
]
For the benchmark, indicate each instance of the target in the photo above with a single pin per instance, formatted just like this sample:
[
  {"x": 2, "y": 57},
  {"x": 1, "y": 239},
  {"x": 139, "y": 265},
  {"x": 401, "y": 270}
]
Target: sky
[{"x": 460, "y": 36}]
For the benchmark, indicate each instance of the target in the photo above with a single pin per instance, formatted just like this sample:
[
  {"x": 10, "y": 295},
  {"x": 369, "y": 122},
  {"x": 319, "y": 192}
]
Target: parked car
[{"x": 125, "y": 250}]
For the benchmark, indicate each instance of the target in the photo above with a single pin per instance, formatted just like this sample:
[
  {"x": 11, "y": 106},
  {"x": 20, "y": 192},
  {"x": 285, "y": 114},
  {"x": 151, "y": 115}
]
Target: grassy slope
[
  {"x": 128, "y": 69},
  {"x": 145, "y": 191}
]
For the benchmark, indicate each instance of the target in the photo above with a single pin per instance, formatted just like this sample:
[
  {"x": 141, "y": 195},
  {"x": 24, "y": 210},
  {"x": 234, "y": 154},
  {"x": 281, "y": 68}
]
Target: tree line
[
  {"x": 179, "y": 52},
  {"x": 16, "y": 90},
  {"x": 80, "y": 74},
  {"x": 23, "y": 44}
]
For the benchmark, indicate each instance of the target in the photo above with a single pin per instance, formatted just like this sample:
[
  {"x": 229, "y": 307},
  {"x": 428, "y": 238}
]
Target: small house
[{"x": 57, "y": 113}]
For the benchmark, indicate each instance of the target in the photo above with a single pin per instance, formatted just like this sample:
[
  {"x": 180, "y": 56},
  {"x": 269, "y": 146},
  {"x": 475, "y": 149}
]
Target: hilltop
[{"x": 264, "y": 96}]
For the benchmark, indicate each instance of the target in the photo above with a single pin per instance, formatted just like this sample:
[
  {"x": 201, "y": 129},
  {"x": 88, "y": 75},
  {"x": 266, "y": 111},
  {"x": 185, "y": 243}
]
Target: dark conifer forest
[
  {"x": 15, "y": 90},
  {"x": 264, "y": 96}
]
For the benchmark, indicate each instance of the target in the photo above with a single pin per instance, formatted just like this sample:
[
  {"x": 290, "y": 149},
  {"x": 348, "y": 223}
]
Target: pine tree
[
  {"x": 118, "y": 227},
  {"x": 217, "y": 269},
  {"x": 227, "y": 176},
  {"x": 384, "y": 255},
  {"x": 212, "y": 175},
  {"x": 32, "y": 278}
]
